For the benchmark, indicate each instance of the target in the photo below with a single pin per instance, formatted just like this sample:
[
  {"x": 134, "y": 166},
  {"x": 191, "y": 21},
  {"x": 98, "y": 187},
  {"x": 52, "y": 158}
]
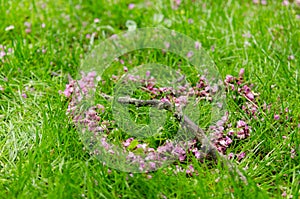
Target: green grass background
[{"x": 41, "y": 155}]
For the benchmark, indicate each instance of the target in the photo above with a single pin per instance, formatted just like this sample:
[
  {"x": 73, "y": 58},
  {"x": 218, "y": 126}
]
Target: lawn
[{"x": 251, "y": 46}]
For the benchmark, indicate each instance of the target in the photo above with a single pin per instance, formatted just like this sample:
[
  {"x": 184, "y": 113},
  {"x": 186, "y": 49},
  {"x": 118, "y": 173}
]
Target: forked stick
[{"x": 208, "y": 147}]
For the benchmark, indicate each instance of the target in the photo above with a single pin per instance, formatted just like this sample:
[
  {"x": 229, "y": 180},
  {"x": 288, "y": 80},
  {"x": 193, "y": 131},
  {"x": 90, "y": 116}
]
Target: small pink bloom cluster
[
  {"x": 176, "y": 4},
  {"x": 263, "y": 2},
  {"x": 4, "y": 51},
  {"x": 224, "y": 132},
  {"x": 78, "y": 90},
  {"x": 242, "y": 91},
  {"x": 177, "y": 94},
  {"x": 28, "y": 27},
  {"x": 234, "y": 83}
]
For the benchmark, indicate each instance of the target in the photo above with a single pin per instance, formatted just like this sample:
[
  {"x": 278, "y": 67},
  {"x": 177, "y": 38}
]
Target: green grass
[{"x": 41, "y": 154}]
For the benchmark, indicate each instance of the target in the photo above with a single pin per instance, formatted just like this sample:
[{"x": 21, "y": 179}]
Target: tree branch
[{"x": 207, "y": 146}]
